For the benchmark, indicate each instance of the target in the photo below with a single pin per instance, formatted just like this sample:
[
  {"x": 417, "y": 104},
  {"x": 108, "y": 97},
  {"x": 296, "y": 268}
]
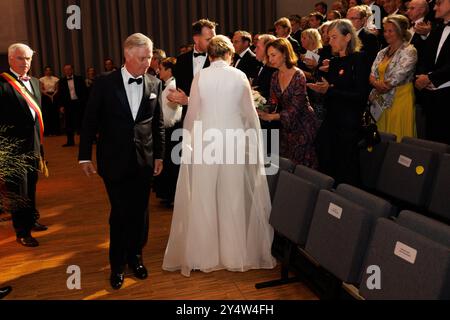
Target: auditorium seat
[
  {"x": 371, "y": 160},
  {"x": 435, "y": 146},
  {"x": 341, "y": 228},
  {"x": 407, "y": 173},
  {"x": 294, "y": 202},
  {"x": 411, "y": 260},
  {"x": 278, "y": 164},
  {"x": 291, "y": 214},
  {"x": 440, "y": 202}
]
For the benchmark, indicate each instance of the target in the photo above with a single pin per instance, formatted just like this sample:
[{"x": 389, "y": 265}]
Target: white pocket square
[{"x": 152, "y": 96}]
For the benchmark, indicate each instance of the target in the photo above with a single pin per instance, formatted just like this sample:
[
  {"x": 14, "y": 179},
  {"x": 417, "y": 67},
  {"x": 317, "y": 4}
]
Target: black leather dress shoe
[
  {"x": 5, "y": 291},
  {"x": 28, "y": 241},
  {"x": 39, "y": 227},
  {"x": 139, "y": 271},
  {"x": 116, "y": 280}
]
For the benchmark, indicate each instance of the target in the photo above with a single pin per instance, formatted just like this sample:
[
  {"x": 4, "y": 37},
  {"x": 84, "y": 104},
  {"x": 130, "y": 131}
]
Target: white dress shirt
[
  {"x": 198, "y": 62},
  {"x": 73, "y": 93},
  {"x": 29, "y": 87},
  {"x": 134, "y": 92}
]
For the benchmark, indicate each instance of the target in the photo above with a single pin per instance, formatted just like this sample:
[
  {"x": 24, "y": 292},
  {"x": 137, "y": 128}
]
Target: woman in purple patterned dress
[{"x": 288, "y": 91}]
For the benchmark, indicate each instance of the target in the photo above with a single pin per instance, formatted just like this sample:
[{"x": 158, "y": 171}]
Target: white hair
[
  {"x": 16, "y": 46},
  {"x": 137, "y": 40}
]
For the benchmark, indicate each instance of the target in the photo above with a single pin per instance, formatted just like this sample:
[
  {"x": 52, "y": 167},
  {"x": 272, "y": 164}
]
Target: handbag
[{"x": 369, "y": 131}]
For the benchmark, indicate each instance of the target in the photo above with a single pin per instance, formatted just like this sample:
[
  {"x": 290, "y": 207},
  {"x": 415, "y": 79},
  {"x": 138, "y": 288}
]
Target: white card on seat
[
  {"x": 335, "y": 210},
  {"x": 405, "y": 252},
  {"x": 405, "y": 161}
]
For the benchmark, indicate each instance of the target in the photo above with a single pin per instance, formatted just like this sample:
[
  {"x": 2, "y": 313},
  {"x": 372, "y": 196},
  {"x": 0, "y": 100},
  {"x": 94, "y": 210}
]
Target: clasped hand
[
  {"x": 423, "y": 81},
  {"x": 380, "y": 85},
  {"x": 320, "y": 86}
]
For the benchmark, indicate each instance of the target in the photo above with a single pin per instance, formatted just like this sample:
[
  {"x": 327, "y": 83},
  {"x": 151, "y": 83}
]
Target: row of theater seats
[
  {"x": 413, "y": 174},
  {"x": 357, "y": 238}
]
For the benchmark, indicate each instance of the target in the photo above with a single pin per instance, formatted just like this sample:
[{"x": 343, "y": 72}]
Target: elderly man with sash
[{"x": 20, "y": 113}]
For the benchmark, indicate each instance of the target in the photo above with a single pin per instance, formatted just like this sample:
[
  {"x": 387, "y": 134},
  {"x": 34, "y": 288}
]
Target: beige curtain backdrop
[{"x": 105, "y": 24}]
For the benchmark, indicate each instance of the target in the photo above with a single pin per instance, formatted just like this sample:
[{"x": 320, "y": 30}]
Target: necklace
[{"x": 391, "y": 52}]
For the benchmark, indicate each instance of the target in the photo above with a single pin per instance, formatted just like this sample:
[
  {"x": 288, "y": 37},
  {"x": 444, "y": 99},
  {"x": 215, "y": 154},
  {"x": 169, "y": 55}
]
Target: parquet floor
[{"x": 76, "y": 210}]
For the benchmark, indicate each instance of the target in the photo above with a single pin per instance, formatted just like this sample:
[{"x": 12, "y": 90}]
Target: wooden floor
[{"x": 76, "y": 210}]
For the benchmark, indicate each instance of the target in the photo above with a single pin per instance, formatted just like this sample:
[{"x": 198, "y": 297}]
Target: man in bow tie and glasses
[
  {"x": 190, "y": 63},
  {"x": 20, "y": 114},
  {"x": 124, "y": 110}
]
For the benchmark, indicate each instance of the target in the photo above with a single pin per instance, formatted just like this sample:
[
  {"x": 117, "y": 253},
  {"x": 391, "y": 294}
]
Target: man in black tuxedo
[
  {"x": 420, "y": 26},
  {"x": 20, "y": 101},
  {"x": 375, "y": 21},
  {"x": 283, "y": 29},
  {"x": 433, "y": 77},
  {"x": 417, "y": 12},
  {"x": 358, "y": 16},
  {"x": 262, "y": 84},
  {"x": 244, "y": 58},
  {"x": 264, "y": 76},
  {"x": 191, "y": 62},
  {"x": 296, "y": 24},
  {"x": 72, "y": 94},
  {"x": 124, "y": 109}
]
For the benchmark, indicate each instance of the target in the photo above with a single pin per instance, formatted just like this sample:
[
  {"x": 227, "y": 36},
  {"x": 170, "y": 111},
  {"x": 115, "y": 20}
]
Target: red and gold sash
[{"x": 28, "y": 98}]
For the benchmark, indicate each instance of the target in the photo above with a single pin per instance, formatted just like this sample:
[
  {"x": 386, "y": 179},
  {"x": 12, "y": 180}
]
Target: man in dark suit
[
  {"x": 264, "y": 76},
  {"x": 283, "y": 29},
  {"x": 244, "y": 58},
  {"x": 124, "y": 109},
  {"x": 358, "y": 16},
  {"x": 296, "y": 24},
  {"x": 417, "y": 12},
  {"x": 20, "y": 112},
  {"x": 420, "y": 26},
  {"x": 262, "y": 84},
  {"x": 433, "y": 77},
  {"x": 191, "y": 62},
  {"x": 375, "y": 21},
  {"x": 72, "y": 94}
]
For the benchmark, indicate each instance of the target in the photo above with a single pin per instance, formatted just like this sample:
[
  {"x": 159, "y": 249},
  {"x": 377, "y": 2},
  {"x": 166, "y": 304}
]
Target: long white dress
[{"x": 221, "y": 211}]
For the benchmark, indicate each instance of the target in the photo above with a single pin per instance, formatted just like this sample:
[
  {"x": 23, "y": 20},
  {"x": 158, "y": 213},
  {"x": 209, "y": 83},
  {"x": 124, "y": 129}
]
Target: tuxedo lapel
[
  {"x": 25, "y": 107},
  {"x": 148, "y": 86},
  {"x": 445, "y": 50},
  {"x": 122, "y": 94},
  {"x": 36, "y": 94},
  {"x": 190, "y": 65},
  {"x": 207, "y": 63}
]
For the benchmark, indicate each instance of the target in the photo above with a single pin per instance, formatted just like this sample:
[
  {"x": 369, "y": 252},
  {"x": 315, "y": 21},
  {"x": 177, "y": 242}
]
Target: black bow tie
[
  {"x": 132, "y": 80},
  {"x": 197, "y": 54},
  {"x": 69, "y": 78}
]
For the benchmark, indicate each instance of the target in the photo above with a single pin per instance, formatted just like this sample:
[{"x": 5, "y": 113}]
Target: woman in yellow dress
[{"x": 392, "y": 76}]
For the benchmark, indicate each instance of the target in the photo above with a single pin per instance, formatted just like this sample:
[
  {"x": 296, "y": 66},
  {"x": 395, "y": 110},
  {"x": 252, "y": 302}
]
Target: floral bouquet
[{"x": 260, "y": 101}]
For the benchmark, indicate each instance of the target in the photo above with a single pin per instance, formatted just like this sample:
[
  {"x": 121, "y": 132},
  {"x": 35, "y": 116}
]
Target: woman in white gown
[{"x": 221, "y": 211}]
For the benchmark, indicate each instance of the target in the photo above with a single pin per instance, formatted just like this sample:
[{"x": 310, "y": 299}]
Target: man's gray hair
[
  {"x": 137, "y": 40},
  {"x": 12, "y": 48}
]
